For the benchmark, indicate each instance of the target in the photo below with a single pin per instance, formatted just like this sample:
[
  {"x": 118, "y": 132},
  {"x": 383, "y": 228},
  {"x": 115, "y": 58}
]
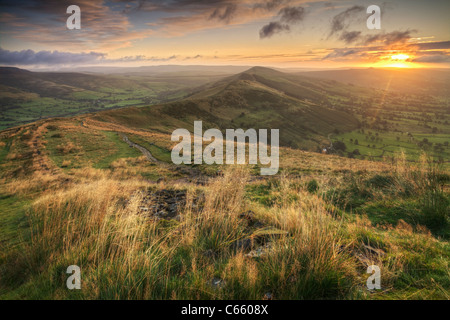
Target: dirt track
[{"x": 144, "y": 151}]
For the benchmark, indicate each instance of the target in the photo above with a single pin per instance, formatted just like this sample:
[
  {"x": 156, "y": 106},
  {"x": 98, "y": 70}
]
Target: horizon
[{"x": 111, "y": 68}]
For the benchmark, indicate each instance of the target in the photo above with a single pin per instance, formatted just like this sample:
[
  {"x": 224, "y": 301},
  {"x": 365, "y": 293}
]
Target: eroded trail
[
  {"x": 193, "y": 175},
  {"x": 41, "y": 161},
  {"x": 144, "y": 151}
]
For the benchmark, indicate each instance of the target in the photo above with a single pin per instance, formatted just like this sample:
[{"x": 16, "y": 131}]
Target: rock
[
  {"x": 268, "y": 296},
  {"x": 260, "y": 251},
  {"x": 243, "y": 244},
  {"x": 162, "y": 214},
  {"x": 248, "y": 215},
  {"x": 165, "y": 203},
  {"x": 217, "y": 283}
]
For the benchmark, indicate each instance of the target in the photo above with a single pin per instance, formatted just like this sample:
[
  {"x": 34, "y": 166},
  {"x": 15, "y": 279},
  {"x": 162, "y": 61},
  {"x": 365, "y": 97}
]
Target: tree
[{"x": 339, "y": 145}]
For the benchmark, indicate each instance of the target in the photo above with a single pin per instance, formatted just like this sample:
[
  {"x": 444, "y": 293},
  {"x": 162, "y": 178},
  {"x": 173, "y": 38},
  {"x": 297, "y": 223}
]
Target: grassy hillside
[
  {"x": 28, "y": 96},
  {"x": 72, "y": 192}
]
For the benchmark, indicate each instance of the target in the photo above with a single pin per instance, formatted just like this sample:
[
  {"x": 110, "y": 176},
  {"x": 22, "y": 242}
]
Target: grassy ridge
[
  {"x": 313, "y": 230},
  {"x": 258, "y": 98}
]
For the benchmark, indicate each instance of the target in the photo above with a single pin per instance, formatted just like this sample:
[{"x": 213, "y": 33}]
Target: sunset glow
[
  {"x": 301, "y": 34},
  {"x": 400, "y": 57},
  {"x": 398, "y": 65}
]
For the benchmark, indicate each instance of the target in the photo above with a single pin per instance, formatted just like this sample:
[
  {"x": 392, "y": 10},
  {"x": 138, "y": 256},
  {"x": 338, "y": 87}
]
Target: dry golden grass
[
  {"x": 69, "y": 147},
  {"x": 88, "y": 224},
  {"x": 90, "y": 217}
]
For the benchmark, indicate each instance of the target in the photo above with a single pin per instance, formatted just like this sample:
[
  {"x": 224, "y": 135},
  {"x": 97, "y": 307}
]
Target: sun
[
  {"x": 399, "y": 57},
  {"x": 397, "y": 65},
  {"x": 398, "y": 60}
]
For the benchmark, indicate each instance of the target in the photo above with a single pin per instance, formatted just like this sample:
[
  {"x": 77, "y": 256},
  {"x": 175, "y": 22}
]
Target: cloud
[
  {"x": 183, "y": 16},
  {"x": 177, "y": 5},
  {"x": 44, "y": 22},
  {"x": 341, "y": 23},
  {"x": 350, "y": 36},
  {"x": 342, "y": 20},
  {"x": 224, "y": 14},
  {"x": 273, "y": 28},
  {"x": 271, "y": 4},
  {"x": 141, "y": 58},
  {"x": 194, "y": 58},
  {"x": 342, "y": 52},
  {"x": 292, "y": 14},
  {"x": 433, "y": 45},
  {"x": 114, "y": 24},
  {"x": 390, "y": 37},
  {"x": 30, "y": 57},
  {"x": 287, "y": 17},
  {"x": 435, "y": 58},
  {"x": 390, "y": 43}
]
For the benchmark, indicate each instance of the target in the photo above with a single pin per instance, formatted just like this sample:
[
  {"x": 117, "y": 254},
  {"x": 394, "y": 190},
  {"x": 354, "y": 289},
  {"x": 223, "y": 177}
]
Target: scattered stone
[
  {"x": 248, "y": 215},
  {"x": 260, "y": 251},
  {"x": 165, "y": 204},
  {"x": 217, "y": 283},
  {"x": 268, "y": 296}
]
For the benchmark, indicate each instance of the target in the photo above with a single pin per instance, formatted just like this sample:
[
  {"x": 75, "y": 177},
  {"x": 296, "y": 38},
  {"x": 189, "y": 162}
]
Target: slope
[{"x": 306, "y": 110}]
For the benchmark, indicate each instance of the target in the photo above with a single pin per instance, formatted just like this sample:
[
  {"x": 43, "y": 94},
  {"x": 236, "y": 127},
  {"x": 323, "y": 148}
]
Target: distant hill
[
  {"x": 417, "y": 81},
  {"x": 157, "y": 70},
  {"x": 257, "y": 98},
  {"x": 27, "y": 96}
]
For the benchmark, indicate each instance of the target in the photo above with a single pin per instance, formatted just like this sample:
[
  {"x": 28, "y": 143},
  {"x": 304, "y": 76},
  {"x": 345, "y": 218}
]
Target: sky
[{"x": 278, "y": 33}]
